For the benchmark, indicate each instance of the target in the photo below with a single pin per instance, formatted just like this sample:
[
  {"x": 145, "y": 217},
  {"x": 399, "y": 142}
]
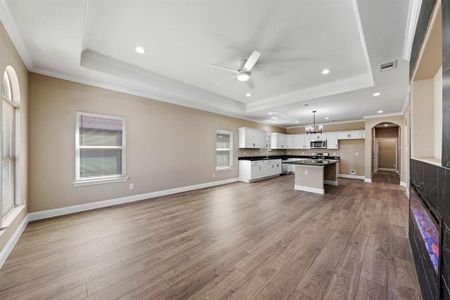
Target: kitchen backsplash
[
  {"x": 257, "y": 152},
  {"x": 311, "y": 151}
]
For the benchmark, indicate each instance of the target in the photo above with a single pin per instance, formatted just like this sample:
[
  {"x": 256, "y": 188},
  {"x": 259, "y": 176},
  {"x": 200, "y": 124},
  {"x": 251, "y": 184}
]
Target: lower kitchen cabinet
[{"x": 258, "y": 169}]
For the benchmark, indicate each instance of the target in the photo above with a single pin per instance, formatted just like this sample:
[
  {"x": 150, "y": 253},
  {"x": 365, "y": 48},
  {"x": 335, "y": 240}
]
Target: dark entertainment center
[{"x": 429, "y": 190}]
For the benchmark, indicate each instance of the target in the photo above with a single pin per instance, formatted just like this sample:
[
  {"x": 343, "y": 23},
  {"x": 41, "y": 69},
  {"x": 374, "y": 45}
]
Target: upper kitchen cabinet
[
  {"x": 426, "y": 105},
  {"x": 351, "y": 135},
  {"x": 252, "y": 138},
  {"x": 290, "y": 141},
  {"x": 278, "y": 141},
  {"x": 301, "y": 141},
  {"x": 332, "y": 140}
]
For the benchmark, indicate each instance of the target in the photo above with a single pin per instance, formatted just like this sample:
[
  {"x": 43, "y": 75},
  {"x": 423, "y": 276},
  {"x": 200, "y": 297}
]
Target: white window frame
[
  {"x": 79, "y": 181},
  {"x": 230, "y": 150},
  {"x": 13, "y": 83}
]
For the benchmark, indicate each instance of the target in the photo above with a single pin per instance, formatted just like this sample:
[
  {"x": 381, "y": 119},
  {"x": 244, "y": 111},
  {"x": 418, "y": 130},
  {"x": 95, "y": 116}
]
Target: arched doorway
[{"x": 386, "y": 162}]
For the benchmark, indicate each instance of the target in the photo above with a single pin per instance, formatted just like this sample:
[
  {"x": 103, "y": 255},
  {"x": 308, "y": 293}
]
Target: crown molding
[
  {"x": 413, "y": 17},
  {"x": 383, "y": 115},
  {"x": 330, "y": 123},
  {"x": 14, "y": 34}
]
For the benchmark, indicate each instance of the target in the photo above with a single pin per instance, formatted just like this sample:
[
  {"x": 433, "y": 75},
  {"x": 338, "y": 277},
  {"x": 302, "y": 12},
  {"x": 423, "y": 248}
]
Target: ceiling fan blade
[
  {"x": 251, "y": 61},
  {"x": 226, "y": 79},
  {"x": 225, "y": 68},
  {"x": 250, "y": 84}
]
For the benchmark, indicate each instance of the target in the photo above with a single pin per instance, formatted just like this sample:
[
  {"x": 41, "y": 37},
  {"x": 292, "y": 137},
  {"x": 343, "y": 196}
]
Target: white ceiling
[{"x": 94, "y": 42}]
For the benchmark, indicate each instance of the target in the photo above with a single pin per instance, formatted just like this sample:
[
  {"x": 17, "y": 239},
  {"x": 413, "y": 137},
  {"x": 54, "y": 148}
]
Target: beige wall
[
  {"x": 422, "y": 126},
  {"x": 168, "y": 146},
  {"x": 9, "y": 56},
  {"x": 370, "y": 124},
  {"x": 387, "y": 153},
  {"x": 387, "y": 132},
  {"x": 437, "y": 114}
]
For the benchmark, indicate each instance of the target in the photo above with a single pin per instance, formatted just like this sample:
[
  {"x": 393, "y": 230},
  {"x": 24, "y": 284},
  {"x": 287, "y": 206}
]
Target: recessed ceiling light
[
  {"x": 325, "y": 71},
  {"x": 376, "y": 94},
  {"x": 380, "y": 111},
  {"x": 248, "y": 95},
  {"x": 326, "y": 118},
  {"x": 140, "y": 50},
  {"x": 297, "y": 122},
  {"x": 275, "y": 118}
]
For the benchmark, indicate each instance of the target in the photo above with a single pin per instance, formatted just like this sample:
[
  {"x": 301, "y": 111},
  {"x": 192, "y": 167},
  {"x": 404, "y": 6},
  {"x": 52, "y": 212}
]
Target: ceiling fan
[{"x": 243, "y": 74}]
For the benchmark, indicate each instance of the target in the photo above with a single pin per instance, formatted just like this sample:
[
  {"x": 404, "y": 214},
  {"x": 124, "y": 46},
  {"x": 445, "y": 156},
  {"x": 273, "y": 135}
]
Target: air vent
[{"x": 388, "y": 66}]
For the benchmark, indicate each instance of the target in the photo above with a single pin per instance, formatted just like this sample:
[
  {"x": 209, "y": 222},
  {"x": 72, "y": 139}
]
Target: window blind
[
  {"x": 101, "y": 146},
  {"x": 224, "y": 149},
  {"x": 8, "y": 156}
]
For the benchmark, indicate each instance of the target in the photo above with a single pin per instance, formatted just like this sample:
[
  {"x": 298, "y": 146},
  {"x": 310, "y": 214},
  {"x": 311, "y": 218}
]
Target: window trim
[
  {"x": 98, "y": 179},
  {"x": 14, "y": 88},
  {"x": 229, "y": 150}
]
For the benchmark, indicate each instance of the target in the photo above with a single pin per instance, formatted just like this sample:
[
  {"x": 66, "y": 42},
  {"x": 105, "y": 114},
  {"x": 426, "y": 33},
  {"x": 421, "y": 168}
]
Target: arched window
[{"x": 10, "y": 98}]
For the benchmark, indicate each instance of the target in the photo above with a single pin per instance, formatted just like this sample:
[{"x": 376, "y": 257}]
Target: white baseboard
[
  {"x": 331, "y": 182},
  {"x": 39, "y": 215},
  {"x": 309, "y": 189},
  {"x": 368, "y": 180},
  {"x": 4, "y": 253},
  {"x": 350, "y": 176},
  {"x": 44, "y": 214}
]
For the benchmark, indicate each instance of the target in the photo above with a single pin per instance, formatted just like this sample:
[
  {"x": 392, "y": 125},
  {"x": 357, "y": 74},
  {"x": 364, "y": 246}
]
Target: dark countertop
[
  {"x": 312, "y": 162},
  {"x": 284, "y": 157}
]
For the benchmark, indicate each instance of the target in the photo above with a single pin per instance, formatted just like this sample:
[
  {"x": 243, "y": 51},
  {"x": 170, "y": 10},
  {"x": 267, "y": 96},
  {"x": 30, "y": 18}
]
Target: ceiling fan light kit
[{"x": 243, "y": 74}]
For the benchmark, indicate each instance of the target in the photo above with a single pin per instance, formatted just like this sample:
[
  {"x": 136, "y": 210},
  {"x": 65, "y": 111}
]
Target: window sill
[
  {"x": 224, "y": 168},
  {"x": 7, "y": 219},
  {"x": 95, "y": 181}
]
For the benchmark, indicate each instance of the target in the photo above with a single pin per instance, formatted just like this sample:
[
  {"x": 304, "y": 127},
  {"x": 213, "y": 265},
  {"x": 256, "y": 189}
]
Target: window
[
  {"x": 100, "y": 149},
  {"x": 224, "y": 149},
  {"x": 9, "y": 114}
]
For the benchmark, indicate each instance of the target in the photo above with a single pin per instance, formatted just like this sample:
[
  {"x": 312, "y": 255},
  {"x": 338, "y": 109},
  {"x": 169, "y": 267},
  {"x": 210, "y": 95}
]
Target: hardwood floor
[
  {"x": 240, "y": 241},
  {"x": 386, "y": 177}
]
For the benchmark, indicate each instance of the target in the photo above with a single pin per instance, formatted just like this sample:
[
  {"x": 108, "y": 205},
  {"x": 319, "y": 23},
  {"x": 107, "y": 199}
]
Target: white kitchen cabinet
[
  {"x": 290, "y": 141},
  {"x": 351, "y": 135},
  {"x": 299, "y": 141},
  {"x": 252, "y": 138},
  {"x": 307, "y": 142},
  {"x": 278, "y": 141},
  {"x": 259, "y": 169},
  {"x": 332, "y": 140}
]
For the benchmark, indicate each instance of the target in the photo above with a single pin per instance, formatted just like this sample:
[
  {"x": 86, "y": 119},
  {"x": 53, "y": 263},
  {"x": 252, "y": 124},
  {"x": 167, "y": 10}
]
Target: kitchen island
[{"x": 311, "y": 175}]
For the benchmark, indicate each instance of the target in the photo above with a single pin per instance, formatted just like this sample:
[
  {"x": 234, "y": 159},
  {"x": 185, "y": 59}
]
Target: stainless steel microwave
[{"x": 318, "y": 144}]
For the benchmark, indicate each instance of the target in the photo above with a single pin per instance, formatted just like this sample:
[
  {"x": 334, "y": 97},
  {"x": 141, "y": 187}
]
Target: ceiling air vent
[{"x": 388, "y": 66}]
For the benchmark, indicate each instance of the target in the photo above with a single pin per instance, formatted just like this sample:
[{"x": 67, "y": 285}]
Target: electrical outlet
[
  {"x": 131, "y": 186},
  {"x": 356, "y": 153},
  {"x": 306, "y": 172},
  {"x": 213, "y": 175}
]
